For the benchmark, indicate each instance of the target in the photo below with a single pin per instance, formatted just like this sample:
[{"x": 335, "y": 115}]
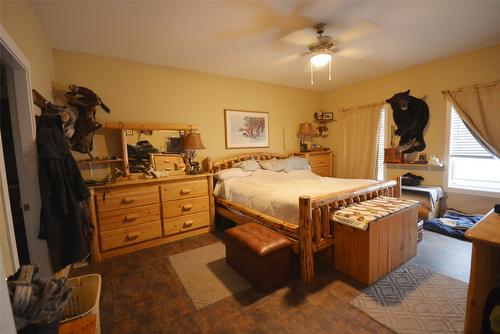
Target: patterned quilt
[{"x": 361, "y": 214}]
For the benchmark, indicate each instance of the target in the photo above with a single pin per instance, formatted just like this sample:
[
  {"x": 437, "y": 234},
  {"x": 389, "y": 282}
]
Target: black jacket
[{"x": 64, "y": 221}]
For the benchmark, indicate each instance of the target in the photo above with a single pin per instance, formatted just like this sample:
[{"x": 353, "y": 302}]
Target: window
[
  {"x": 471, "y": 167},
  {"x": 380, "y": 146}
]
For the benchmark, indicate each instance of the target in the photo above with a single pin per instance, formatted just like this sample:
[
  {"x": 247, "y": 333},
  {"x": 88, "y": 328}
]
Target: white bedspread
[{"x": 277, "y": 194}]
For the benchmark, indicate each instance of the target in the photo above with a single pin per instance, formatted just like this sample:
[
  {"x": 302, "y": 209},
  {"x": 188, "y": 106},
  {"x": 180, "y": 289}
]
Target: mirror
[
  {"x": 142, "y": 142},
  {"x": 163, "y": 141}
]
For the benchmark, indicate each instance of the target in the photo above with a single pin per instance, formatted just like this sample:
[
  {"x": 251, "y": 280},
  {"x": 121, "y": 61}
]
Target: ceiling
[{"x": 251, "y": 40}]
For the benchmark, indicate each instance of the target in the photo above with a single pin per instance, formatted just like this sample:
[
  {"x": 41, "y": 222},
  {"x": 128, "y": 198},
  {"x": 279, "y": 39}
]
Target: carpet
[
  {"x": 205, "y": 275},
  {"x": 412, "y": 299}
]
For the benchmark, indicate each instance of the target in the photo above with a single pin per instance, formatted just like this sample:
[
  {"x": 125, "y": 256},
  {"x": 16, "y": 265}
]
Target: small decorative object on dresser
[
  {"x": 246, "y": 129},
  {"x": 321, "y": 162}
]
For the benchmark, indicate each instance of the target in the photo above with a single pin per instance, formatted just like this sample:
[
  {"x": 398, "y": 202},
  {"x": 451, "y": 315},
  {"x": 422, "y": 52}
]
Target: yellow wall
[
  {"x": 147, "y": 93},
  {"x": 18, "y": 18},
  {"x": 425, "y": 80}
]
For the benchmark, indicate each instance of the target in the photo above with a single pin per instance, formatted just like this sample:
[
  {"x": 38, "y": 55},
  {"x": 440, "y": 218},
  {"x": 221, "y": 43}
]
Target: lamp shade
[
  {"x": 192, "y": 141},
  {"x": 305, "y": 130}
]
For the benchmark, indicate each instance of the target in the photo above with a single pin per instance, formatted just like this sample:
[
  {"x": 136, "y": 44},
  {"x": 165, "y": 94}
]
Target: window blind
[
  {"x": 462, "y": 143},
  {"x": 381, "y": 144}
]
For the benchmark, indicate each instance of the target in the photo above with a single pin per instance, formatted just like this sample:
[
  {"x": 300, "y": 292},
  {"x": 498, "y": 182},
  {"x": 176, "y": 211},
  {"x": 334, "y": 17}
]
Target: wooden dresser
[
  {"x": 321, "y": 162},
  {"x": 485, "y": 269},
  {"x": 141, "y": 213}
]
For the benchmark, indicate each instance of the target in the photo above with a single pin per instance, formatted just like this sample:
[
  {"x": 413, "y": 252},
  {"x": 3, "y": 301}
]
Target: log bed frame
[{"x": 315, "y": 231}]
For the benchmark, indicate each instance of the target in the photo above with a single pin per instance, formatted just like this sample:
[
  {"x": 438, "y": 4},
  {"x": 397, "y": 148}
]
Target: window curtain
[
  {"x": 479, "y": 109},
  {"x": 358, "y": 143}
]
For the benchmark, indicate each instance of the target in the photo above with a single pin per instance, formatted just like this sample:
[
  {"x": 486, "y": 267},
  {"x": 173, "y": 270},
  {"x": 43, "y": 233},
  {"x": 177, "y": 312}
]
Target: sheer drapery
[
  {"x": 358, "y": 141},
  {"x": 479, "y": 108}
]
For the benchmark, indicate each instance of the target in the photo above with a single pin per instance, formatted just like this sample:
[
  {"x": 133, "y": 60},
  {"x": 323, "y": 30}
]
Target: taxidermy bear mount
[{"x": 410, "y": 115}]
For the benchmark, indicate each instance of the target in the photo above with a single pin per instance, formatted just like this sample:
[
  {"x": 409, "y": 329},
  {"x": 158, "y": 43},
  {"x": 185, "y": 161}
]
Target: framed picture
[
  {"x": 246, "y": 129},
  {"x": 328, "y": 116}
]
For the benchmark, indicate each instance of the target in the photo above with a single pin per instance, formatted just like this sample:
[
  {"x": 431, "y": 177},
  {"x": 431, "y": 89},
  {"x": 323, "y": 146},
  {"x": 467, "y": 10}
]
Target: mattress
[{"x": 277, "y": 194}]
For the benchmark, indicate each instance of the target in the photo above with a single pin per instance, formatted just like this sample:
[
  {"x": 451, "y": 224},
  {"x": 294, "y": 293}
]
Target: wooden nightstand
[{"x": 321, "y": 162}]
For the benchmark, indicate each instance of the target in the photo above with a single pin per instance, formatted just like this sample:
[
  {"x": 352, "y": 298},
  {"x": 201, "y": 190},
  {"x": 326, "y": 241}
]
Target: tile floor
[{"x": 142, "y": 294}]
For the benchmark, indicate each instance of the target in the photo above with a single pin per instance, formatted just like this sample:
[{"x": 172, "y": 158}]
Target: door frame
[{"x": 24, "y": 131}]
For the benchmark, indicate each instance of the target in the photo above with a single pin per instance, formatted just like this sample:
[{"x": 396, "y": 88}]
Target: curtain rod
[
  {"x": 489, "y": 84},
  {"x": 363, "y": 106}
]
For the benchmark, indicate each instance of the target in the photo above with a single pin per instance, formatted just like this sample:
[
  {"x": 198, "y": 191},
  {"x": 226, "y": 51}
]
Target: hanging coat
[{"x": 64, "y": 221}]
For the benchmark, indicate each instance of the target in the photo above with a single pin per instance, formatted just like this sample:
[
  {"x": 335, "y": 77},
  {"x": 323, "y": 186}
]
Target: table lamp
[
  {"x": 192, "y": 142},
  {"x": 305, "y": 130}
]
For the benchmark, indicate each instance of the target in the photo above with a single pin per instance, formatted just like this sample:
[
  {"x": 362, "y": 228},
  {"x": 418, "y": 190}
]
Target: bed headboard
[{"x": 228, "y": 162}]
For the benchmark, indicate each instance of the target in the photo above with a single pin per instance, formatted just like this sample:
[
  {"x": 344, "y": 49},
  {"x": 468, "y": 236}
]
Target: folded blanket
[
  {"x": 453, "y": 223},
  {"x": 361, "y": 214}
]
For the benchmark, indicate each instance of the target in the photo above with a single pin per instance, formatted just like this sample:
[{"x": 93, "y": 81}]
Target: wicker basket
[{"x": 84, "y": 300}]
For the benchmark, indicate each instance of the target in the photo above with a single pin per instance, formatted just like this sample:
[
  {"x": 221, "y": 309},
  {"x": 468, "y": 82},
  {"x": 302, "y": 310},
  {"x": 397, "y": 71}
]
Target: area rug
[
  {"x": 206, "y": 276},
  {"x": 412, "y": 299}
]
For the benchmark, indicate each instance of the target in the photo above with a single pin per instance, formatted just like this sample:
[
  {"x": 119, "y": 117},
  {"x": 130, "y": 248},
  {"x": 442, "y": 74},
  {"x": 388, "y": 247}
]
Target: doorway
[
  {"x": 10, "y": 164},
  {"x": 20, "y": 159}
]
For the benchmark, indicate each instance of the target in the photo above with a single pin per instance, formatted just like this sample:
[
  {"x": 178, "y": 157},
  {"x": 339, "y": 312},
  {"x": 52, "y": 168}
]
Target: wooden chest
[
  {"x": 367, "y": 256},
  {"x": 321, "y": 162},
  {"x": 393, "y": 156},
  {"x": 133, "y": 215}
]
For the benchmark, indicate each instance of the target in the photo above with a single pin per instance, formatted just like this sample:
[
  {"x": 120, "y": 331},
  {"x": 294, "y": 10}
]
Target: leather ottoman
[{"x": 261, "y": 255}]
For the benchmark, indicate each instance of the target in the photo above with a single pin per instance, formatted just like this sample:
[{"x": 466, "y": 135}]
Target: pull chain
[
  {"x": 330, "y": 69},
  {"x": 312, "y": 74}
]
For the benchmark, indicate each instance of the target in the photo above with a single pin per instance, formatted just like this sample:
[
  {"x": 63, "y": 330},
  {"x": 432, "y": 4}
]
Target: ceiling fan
[
  {"x": 321, "y": 51},
  {"x": 323, "y": 47}
]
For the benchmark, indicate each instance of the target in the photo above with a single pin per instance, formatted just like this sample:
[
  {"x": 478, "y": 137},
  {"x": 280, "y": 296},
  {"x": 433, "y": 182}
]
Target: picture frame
[
  {"x": 246, "y": 129},
  {"x": 328, "y": 116}
]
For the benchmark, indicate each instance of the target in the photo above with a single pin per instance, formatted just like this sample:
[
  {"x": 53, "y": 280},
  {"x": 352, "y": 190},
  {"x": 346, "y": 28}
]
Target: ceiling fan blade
[
  {"x": 358, "y": 31},
  {"x": 352, "y": 53},
  {"x": 302, "y": 37},
  {"x": 286, "y": 59}
]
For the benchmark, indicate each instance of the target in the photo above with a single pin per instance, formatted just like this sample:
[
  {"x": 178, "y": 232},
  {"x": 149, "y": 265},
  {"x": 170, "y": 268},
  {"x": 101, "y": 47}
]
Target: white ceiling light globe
[{"x": 320, "y": 59}]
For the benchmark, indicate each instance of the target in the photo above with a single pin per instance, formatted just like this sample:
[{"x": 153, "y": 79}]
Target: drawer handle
[
  {"x": 128, "y": 200},
  {"x": 132, "y": 236},
  {"x": 131, "y": 217},
  {"x": 185, "y": 191},
  {"x": 187, "y": 207},
  {"x": 188, "y": 223}
]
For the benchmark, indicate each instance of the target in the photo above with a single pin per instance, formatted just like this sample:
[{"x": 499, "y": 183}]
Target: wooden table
[{"x": 485, "y": 268}]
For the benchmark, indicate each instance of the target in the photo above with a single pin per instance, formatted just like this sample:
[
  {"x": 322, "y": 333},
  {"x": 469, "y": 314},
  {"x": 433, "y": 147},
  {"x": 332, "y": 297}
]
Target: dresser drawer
[
  {"x": 322, "y": 171},
  {"x": 185, "y": 206},
  {"x": 127, "y": 198},
  {"x": 130, "y": 235},
  {"x": 109, "y": 220},
  {"x": 185, "y": 223},
  {"x": 185, "y": 189},
  {"x": 320, "y": 160}
]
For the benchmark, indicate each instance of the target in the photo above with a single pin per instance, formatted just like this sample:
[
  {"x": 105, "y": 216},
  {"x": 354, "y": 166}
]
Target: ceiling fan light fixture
[{"x": 320, "y": 59}]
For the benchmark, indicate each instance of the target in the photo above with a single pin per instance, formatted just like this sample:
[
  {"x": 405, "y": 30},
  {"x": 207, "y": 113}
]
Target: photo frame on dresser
[{"x": 246, "y": 129}]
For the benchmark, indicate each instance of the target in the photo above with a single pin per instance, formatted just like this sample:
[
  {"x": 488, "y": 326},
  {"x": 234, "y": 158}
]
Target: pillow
[
  {"x": 274, "y": 165},
  {"x": 231, "y": 173},
  {"x": 248, "y": 165},
  {"x": 295, "y": 163}
]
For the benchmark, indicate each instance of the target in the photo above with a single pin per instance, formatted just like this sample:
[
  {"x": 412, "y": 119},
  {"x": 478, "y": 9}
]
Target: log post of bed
[
  {"x": 306, "y": 240},
  {"x": 397, "y": 187}
]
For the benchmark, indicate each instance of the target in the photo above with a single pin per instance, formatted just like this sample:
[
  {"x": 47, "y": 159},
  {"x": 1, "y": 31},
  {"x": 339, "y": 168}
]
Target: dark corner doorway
[{"x": 11, "y": 170}]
